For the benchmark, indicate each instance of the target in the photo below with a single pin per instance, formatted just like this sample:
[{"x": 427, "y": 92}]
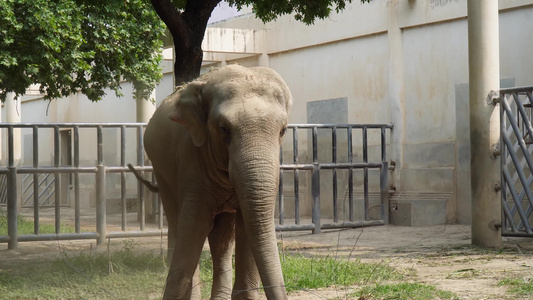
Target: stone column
[{"x": 484, "y": 77}]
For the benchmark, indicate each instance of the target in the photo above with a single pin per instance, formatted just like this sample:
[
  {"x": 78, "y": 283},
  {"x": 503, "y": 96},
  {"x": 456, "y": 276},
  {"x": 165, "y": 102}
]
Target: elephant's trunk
[{"x": 254, "y": 171}]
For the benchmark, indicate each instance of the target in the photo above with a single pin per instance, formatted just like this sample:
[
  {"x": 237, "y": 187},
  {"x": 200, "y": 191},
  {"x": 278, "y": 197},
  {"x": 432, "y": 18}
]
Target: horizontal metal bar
[
  {"x": 52, "y": 237},
  {"x": 350, "y": 165},
  {"x": 118, "y": 125},
  {"x": 357, "y": 224},
  {"x": 69, "y": 125},
  {"x": 126, "y": 169},
  {"x": 31, "y": 170},
  {"x": 519, "y": 90},
  {"x": 330, "y": 166},
  {"x": 136, "y": 233},
  {"x": 370, "y": 126},
  {"x": 516, "y": 234},
  {"x": 294, "y": 227}
]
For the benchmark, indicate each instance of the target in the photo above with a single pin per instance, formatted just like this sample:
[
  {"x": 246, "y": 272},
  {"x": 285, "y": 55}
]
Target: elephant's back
[{"x": 162, "y": 136}]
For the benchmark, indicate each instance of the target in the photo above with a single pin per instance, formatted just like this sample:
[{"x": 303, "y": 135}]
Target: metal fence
[
  {"x": 516, "y": 163},
  {"x": 86, "y": 142}
]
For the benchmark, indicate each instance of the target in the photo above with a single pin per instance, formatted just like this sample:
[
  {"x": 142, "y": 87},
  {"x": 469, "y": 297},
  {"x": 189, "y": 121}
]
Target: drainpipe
[{"x": 484, "y": 76}]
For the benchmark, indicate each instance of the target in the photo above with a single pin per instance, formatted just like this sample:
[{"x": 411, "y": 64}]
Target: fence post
[
  {"x": 315, "y": 185},
  {"x": 100, "y": 191},
  {"x": 12, "y": 210},
  {"x": 384, "y": 191}
]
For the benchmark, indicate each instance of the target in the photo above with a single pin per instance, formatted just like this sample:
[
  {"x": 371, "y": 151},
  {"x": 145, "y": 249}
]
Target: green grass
[
  {"x": 403, "y": 291},
  {"x": 25, "y": 225},
  {"x": 519, "y": 286},
  {"x": 121, "y": 275},
  {"x": 310, "y": 273}
]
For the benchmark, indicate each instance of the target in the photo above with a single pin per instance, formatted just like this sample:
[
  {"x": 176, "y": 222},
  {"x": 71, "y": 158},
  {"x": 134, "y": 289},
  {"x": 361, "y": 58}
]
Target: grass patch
[
  {"x": 125, "y": 274},
  {"x": 403, "y": 291},
  {"x": 25, "y": 225},
  {"x": 311, "y": 273},
  {"x": 519, "y": 286}
]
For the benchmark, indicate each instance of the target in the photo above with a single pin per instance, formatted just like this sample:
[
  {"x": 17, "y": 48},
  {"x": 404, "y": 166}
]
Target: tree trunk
[{"x": 188, "y": 29}]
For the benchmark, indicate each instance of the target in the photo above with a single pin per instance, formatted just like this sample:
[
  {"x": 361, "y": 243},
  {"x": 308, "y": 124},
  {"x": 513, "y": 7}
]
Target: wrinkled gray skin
[{"x": 214, "y": 145}]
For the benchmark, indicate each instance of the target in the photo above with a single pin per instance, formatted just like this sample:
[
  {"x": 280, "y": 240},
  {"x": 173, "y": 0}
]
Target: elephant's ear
[{"x": 189, "y": 111}]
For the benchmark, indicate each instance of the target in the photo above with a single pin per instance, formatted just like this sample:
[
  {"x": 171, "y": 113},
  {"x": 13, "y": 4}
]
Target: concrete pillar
[
  {"x": 484, "y": 76},
  {"x": 145, "y": 109},
  {"x": 396, "y": 92},
  {"x": 13, "y": 115}
]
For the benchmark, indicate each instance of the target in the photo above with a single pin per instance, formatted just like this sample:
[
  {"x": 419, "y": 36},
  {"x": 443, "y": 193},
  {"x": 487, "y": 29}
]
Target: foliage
[{"x": 70, "y": 45}]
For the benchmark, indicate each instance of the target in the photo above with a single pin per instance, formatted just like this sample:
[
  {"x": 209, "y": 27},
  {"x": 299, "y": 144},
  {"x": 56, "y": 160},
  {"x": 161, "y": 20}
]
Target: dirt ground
[{"x": 435, "y": 255}]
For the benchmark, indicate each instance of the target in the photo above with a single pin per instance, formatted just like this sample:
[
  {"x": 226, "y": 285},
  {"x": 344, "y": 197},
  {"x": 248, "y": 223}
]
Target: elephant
[{"x": 214, "y": 145}]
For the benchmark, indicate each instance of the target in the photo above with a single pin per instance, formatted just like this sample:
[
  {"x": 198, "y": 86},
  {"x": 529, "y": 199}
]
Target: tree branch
[{"x": 173, "y": 19}]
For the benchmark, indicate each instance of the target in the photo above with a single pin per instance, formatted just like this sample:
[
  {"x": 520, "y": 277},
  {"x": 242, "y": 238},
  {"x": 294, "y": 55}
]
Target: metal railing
[
  {"x": 302, "y": 165},
  {"x": 516, "y": 161},
  {"x": 314, "y": 165},
  {"x": 99, "y": 170}
]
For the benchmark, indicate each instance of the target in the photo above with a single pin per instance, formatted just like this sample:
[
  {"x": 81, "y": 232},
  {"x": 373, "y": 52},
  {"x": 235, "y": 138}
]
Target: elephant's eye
[
  {"x": 224, "y": 131},
  {"x": 282, "y": 132}
]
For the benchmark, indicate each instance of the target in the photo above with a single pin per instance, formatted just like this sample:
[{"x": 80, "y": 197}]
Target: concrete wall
[{"x": 401, "y": 62}]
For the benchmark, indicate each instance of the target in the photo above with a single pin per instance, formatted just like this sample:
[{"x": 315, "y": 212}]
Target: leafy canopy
[
  {"x": 69, "y": 45},
  {"x": 304, "y": 10}
]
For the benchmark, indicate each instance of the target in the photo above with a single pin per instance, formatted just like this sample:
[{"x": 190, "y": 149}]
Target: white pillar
[
  {"x": 145, "y": 108},
  {"x": 13, "y": 115},
  {"x": 484, "y": 77}
]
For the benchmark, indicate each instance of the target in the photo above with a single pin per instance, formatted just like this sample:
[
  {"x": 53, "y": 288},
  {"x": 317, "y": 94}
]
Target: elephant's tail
[{"x": 148, "y": 184}]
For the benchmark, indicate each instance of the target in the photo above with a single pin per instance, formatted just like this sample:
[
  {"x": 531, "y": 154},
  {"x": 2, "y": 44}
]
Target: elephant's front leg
[
  {"x": 221, "y": 242},
  {"x": 193, "y": 227},
  {"x": 246, "y": 275}
]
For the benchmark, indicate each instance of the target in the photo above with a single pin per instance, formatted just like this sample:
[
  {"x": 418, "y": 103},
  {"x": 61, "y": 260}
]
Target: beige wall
[{"x": 412, "y": 80}]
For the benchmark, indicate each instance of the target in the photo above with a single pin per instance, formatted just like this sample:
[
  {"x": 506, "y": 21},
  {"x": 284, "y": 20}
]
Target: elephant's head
[{"x": 239, "y": 115}]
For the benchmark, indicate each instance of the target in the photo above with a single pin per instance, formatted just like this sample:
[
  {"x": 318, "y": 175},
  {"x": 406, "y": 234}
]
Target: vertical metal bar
[
  {"x": 123, "y": 177},
  {"x": 35, "y": 136},
  {"x": 503, "y": 163},
  {"x": 315, "y": 185},
  {"x": 140, "y": 162},
  {"x": 12, "y": 210},
  {"x": 365, "y": 171},
  {"x": 350, "y": 176},
  {"x": 77, "y": 207},
  {"x": 383, "y": 144},
  {"x": 296, "y": 176},
  {"x": 384, "y": 191},
  {"x": 100, "y": 190},
  {"x": 57, "y": 182},
  {"x": 281, "y": 204},
  {"x": 334, "y": 161}
]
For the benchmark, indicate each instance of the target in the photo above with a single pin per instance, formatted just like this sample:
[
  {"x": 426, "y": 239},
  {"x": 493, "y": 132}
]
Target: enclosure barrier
[
  {"x": 100, "y": 170},
  {"x": 516, "y": 150}
]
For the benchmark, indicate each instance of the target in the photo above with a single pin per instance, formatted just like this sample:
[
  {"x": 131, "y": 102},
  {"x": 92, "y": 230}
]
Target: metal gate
[{"x": 516, "y": 161}]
